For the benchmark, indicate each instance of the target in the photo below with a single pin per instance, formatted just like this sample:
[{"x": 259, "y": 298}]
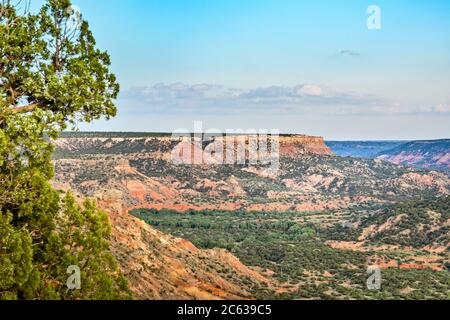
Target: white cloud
[
  {"x": 309, "y": 90},
  {"x": 208, "y": 99}
]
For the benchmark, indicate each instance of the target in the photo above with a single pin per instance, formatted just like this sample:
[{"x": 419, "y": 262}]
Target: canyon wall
[{"x": 162, "y": 145}]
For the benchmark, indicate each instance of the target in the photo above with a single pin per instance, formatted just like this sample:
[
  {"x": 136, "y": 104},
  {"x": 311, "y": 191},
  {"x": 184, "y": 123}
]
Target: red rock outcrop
[
  {"x": 159, "y": 266},
  {"x": 292, "y": 146}
]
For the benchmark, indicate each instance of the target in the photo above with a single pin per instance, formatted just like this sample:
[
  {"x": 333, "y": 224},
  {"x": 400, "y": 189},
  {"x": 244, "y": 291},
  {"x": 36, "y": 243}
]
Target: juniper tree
[{"x": 51, "y": 75}]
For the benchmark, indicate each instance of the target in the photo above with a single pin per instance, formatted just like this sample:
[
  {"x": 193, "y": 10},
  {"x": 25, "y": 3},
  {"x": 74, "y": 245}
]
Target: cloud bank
[{"x": 210, "y": 99}]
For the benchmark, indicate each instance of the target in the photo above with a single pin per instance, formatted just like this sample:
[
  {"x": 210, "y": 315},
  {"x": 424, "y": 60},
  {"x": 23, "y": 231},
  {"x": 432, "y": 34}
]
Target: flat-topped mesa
[
  {"x": 294, "y": 145},
  {"x": 161, "y": 145}
]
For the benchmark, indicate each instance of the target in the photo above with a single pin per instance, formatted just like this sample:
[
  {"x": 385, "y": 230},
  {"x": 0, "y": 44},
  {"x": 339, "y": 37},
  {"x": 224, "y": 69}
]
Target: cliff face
[
  {"x": 300, "y": 144},
  {"x": 162, "y": 145},
  {"x": 159, "y": 266}
]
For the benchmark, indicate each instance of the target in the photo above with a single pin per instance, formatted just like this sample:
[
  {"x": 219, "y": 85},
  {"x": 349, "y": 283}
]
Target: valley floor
[{"x": 306, "y": 260}]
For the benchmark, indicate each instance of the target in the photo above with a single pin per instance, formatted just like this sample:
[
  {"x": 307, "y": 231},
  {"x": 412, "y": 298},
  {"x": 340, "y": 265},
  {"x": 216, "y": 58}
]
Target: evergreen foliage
[{"x": 51, "y": 75}]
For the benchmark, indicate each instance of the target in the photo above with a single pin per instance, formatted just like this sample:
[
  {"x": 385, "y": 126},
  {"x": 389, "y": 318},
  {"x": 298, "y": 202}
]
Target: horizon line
[{"x": 156, "y": 133}]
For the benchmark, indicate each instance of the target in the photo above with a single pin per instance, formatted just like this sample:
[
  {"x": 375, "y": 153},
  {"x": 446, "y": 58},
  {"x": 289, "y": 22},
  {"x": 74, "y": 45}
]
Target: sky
[{"x": 311, "y": 67}]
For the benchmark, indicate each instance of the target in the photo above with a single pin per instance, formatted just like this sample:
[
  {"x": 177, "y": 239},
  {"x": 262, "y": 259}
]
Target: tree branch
[{"x": 21, "y": 109}]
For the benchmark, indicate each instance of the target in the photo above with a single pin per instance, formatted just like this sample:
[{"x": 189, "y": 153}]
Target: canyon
[
  {"x": 425, "y": 154},
  {"x": 135, "y": 171}
]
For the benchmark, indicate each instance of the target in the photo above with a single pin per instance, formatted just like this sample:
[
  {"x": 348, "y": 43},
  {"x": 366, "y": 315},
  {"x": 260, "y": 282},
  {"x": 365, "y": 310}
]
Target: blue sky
[{"x": 299, "y": 66}]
